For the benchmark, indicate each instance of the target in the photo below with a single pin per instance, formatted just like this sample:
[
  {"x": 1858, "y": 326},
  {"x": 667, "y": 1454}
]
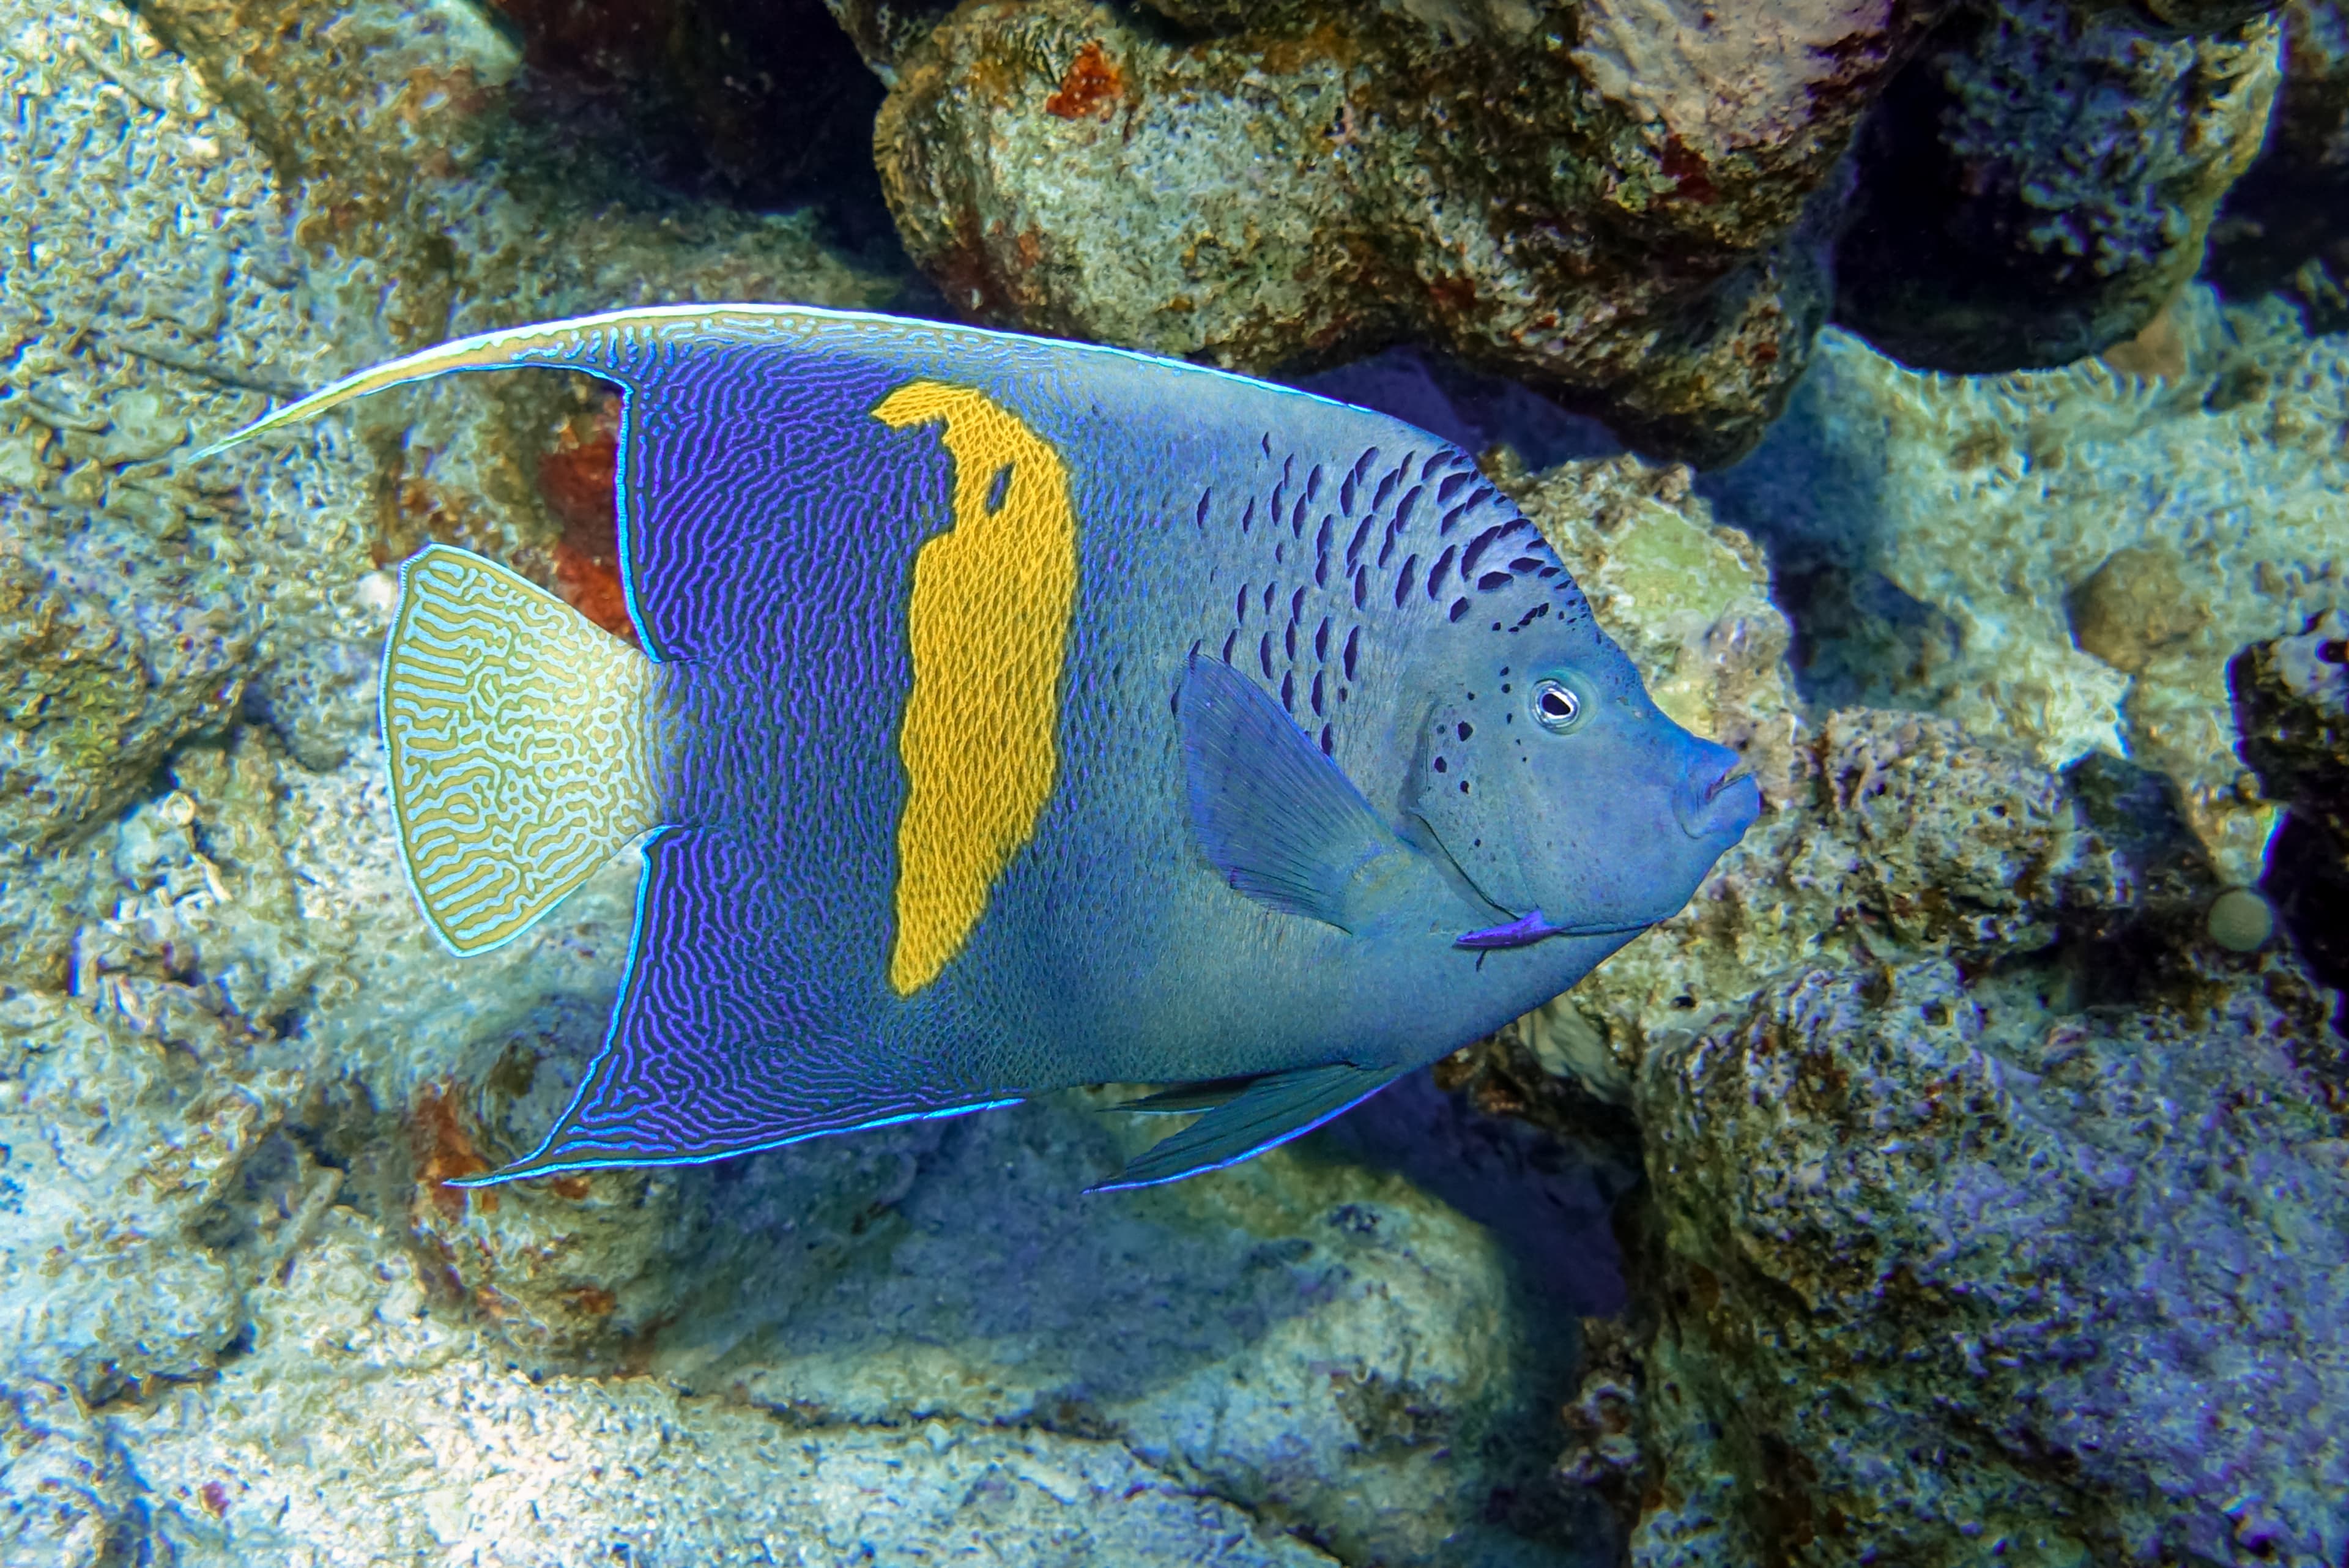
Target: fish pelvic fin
[
  {"x": 518, "y": 737},
  {"x": 1268, "y": 1113}
]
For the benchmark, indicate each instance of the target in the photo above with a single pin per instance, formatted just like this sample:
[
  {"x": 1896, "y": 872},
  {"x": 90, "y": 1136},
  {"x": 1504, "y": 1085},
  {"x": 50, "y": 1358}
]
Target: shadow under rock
[
  {"x": 1551, "y": 1205},
  {"x": 993, "y": 1248},
  {"x": 1812, "y": 495},
  {"x": 1467, "y": 408}
]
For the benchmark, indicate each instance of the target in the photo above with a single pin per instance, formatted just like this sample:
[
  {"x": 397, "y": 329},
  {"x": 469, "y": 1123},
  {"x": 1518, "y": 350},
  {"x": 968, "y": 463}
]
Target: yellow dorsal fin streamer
[
  {"x": 987, "y": 628},
  {"x": 520, "y": 745}
]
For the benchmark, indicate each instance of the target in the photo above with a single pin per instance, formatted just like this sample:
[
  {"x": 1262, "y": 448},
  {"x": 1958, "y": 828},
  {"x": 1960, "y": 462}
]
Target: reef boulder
[
  {"x": 1941, "y": 1277},
  {"x": 1614, "y": 205}
]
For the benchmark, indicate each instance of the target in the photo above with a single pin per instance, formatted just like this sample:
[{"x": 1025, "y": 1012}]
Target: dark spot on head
[
  {"x": 1492, "y": 580},
  {"x": 1464, "y": 787},
  {"x": 1001, "y": 486},
  {"x": 1459, "y": 608},
  {"x": 1466, "y": 729},
  {"x": 1442, "y": 766}
]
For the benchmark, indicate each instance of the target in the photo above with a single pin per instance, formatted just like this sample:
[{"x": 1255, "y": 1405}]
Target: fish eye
[{"x": 1556, "y": 706}]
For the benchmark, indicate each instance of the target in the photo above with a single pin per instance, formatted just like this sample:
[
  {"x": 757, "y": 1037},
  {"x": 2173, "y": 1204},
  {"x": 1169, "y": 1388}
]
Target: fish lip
[{"x": 1708, "y": 814}]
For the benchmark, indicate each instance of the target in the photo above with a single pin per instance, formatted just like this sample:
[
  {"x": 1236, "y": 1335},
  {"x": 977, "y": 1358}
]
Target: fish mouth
[{"x": 1727, "y": 803}]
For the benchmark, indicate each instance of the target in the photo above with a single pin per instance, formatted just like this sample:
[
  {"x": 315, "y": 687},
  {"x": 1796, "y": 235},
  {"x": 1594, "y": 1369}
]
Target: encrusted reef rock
[
  {"x": 2064, "y": 561},
  {"x": 1944, "y": 1279},
  {"x": 2292, "y": 700},
  {"x": 2039, "y": 182},
  {"x": 1609, "y": 202},
  {"x": 2291, "y": 705},
  {"x": 2285, "y": 226},
  {"x": 1994, "y": 1206}
]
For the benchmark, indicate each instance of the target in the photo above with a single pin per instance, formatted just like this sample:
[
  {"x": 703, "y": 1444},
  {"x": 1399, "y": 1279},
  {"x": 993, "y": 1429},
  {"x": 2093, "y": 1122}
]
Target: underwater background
[{"x": 1947, "y": 405}]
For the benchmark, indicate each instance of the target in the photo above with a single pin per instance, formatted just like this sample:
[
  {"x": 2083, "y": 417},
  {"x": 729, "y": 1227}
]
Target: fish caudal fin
[
  {"x": 519, "y": 742},
  {"x": 1269, "y": 1112}
]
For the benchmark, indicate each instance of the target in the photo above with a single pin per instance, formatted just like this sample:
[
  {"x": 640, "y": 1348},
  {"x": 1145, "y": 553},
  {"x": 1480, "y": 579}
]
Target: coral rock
[
  {"x": 2039, "y": 182},
  {"x": 1612, "y": 209},
  {"x": 1942, "y": 1276},
  {"x": 2074, "y": 554}
]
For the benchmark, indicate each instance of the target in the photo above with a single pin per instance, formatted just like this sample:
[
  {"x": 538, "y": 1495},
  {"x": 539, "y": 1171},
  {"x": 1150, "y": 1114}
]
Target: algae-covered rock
[
  {"x": 2064, "y": 561},
  {"x": 1942, "y": 1276},
  {"x": 2038, "y": 183},
  {"x": 1610, "y": 203}
]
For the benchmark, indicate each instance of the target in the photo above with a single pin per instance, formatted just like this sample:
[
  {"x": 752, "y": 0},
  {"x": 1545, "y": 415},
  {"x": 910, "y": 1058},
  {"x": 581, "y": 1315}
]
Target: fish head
[{"x": 1548, "y": 777}]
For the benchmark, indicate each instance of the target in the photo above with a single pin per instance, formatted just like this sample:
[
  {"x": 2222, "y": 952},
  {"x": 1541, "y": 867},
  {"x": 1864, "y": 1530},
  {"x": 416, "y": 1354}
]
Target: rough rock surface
[
  {"x": 367, "y": 1423},
  {"x": 2064, "y": 561},
  {"x": 2039, "y": 182},
  {"x": 2292, "y": 703},
  {"x": 1941, "y": 1277},
  {"x": 1609, "y": 203}
]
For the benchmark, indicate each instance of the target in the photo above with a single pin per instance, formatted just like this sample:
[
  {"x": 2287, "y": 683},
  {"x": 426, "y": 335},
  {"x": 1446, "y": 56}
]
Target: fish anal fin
[
  {"x": 1279, "y": 818},
  {"x": 719, "y": 1045},
  {"x": 518, "y": 740},
  {"x": 1269, "y": 1112}
]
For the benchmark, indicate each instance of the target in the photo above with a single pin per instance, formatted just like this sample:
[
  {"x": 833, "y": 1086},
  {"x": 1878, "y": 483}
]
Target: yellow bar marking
[{"x": 989, "y": 631}]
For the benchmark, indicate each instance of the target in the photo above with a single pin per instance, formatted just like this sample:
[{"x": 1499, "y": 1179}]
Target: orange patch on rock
[
  {"x": 1091, "y": 81},
  {"x": 445, "y": 1152},
  {"x": 1688, "y": 172},
  {"x": 575, "y": 476}
]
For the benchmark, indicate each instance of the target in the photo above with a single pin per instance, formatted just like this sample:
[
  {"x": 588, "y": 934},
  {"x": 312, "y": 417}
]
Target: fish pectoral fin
[
  {"x": 1280, "y": 820},
  {"x": 1269, "y": 1112}
]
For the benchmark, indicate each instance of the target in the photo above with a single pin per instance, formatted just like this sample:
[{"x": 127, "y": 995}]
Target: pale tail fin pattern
[{"x": 521, "y": 746}]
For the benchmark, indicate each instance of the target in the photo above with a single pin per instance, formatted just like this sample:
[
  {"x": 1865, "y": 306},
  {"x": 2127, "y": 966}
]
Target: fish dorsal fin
[
  {"x": 518, "y": 740},
  {"x": 1278, "y": 819},
  {"x": 1269, "y": 1112}
]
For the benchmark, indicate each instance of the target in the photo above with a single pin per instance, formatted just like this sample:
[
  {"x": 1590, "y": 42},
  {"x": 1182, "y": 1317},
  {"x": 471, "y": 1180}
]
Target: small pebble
[{"x": 2240, "y": 920}]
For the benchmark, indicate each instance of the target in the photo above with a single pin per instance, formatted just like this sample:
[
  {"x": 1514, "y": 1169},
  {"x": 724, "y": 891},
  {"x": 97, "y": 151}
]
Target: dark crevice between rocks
[{"x": 762, "y": 104}]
